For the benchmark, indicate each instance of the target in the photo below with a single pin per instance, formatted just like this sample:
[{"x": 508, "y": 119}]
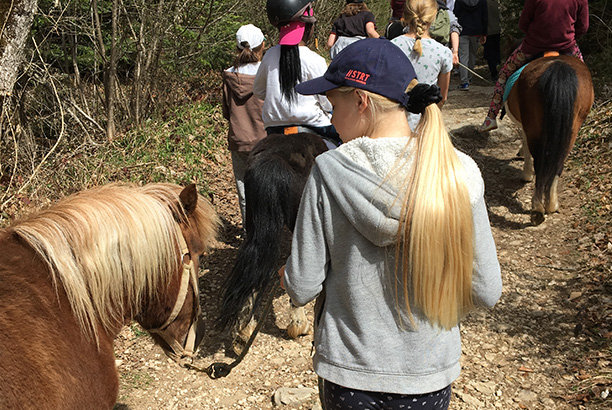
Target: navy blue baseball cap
[{"x": 372, "y": 64}]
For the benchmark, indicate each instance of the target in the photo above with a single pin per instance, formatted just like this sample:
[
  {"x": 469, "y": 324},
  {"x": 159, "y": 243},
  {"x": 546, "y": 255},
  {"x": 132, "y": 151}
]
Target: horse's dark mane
[
  {"x": 274, "y": 180},
  {"x": 290, "y": 71},
  {"x": 559, "y": 87}
]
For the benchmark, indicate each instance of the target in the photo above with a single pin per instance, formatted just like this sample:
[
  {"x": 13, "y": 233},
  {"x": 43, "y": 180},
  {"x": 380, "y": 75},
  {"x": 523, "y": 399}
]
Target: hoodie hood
[
  {"x": 370, "y": 201},
  {"x": 363, "y": 176},
  {"x": 240, "y": 84}
]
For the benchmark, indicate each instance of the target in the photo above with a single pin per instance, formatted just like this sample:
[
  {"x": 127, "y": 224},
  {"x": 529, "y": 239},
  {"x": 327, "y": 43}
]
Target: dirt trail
[{"x": 523, "y": 354}]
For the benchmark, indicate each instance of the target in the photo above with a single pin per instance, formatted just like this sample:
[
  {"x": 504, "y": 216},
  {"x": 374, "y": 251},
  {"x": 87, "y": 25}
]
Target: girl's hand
[{"x": 281, "y": 273}]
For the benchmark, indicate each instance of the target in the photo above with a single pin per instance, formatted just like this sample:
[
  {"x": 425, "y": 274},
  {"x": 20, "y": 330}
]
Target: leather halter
[{"x": 177, "y": 351}]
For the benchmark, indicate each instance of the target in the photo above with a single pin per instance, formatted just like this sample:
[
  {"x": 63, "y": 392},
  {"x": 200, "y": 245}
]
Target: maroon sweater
[
  {"x": 397, "y": 8},
  {"x": 553, "y": 25}
]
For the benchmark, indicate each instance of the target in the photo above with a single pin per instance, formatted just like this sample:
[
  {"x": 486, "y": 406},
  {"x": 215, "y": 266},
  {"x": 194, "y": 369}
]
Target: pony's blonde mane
[{"x": 112, "y": 246}]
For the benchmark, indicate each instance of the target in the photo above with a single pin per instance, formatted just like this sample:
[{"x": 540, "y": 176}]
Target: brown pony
[
  {"x": 73, "y": 275},
  {"x": 549, "y": 101}
]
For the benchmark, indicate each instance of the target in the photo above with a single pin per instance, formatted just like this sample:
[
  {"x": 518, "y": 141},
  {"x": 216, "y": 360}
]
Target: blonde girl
[
  {"x": 431, "y": 60},
  {"x": 392, "y": 238}
]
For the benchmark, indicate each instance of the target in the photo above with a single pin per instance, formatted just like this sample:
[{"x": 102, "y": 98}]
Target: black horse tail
[
  {"x": 559, "y": 88},
  {"x": 273, "y": 181},
  {"x": 267, "y": 184}
]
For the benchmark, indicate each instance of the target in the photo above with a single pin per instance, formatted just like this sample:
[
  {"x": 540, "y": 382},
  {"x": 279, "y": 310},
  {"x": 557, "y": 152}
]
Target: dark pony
[
  {"x": 73, "y": 275},
  {"x": 550, "y": 101},
  {"x": 274, "y": 180}
]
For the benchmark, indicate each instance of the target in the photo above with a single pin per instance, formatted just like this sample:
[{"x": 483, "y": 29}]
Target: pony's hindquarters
[{"x": 550, "y": 100}]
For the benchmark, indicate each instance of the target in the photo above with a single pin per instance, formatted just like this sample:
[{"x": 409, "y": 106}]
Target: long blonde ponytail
[{"x": 435, "y": 236}]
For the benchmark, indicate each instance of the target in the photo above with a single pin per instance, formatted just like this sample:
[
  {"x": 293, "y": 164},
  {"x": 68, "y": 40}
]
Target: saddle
[{"x": 510, "y": 81}]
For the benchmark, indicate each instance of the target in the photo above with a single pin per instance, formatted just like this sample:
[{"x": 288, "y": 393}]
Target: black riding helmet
[{"x": 281, "y": 12}]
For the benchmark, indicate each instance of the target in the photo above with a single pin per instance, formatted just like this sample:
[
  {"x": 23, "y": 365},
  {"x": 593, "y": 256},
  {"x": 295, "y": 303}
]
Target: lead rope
[{"x": 218, "y": 370}]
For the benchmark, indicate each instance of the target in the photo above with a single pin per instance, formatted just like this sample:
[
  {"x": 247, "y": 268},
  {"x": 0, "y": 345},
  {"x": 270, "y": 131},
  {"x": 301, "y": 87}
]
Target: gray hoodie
[{"x": 342, "y": 254}]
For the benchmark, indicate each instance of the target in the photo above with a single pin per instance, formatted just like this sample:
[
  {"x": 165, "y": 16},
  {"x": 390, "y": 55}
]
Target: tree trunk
[
  {"x": 15, "y": 23},
  {"x": 111, "y": 74}
]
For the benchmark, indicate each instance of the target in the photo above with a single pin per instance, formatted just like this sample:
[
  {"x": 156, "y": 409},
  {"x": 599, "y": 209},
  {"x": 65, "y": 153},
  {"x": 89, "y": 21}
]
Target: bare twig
[
  {"x": 84, "y": 114},
  {"x": 59, "y": 138}
]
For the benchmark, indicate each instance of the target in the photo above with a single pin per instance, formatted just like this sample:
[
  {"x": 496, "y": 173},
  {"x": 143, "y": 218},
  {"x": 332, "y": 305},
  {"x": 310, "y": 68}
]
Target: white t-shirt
[{"x": 314, "y": 110}]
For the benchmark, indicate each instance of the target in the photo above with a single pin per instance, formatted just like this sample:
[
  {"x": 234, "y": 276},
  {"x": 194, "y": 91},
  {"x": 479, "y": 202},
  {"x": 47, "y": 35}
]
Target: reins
[{"x": 218, "y": 370}]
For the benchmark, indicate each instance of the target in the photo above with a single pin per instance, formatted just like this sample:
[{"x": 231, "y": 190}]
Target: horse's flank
[{"x": 108, "y": 248}]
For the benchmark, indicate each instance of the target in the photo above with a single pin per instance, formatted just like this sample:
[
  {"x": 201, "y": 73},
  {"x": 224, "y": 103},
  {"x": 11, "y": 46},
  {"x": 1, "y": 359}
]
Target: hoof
[
  {"x": 537, "y": 218},
  {"x": 526, "y": 178},
  {"x": 238, "y": 346},
  {"x": 297, "y": 329}
]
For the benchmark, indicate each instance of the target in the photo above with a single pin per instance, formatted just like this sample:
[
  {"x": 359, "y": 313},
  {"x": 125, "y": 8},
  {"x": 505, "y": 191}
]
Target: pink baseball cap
[{"x": 291, "y": 33}]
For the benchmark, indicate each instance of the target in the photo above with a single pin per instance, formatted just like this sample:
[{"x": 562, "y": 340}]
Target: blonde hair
[
  {"x": 418, "y": 16},
  {"x": 434, "y": 245},
  {"x": 378, "y": 104}
]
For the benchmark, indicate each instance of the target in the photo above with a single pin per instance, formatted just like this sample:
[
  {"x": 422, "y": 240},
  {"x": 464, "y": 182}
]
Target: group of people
[{"x": 392, "y": 237}]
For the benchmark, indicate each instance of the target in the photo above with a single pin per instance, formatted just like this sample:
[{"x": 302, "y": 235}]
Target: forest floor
[{"x": 545, "y": 345}]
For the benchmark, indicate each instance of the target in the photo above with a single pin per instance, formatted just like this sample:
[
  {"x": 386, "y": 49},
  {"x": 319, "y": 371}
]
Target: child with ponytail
[
  {"x": 392, "y": 239},
  {"x": 431, "y": 60},
  {"x": 287, "y": 64},
  {"x": 241, "y": 108}
]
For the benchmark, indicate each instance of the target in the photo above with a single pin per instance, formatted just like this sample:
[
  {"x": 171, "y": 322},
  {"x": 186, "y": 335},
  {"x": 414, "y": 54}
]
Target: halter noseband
[{"x": 178, "y": 352}]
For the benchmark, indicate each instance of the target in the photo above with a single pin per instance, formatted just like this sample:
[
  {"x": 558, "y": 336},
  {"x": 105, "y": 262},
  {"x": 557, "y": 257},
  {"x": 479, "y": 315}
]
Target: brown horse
[
  {"x": 73, "y": 275},
  {"x": 550, "y": 101}
]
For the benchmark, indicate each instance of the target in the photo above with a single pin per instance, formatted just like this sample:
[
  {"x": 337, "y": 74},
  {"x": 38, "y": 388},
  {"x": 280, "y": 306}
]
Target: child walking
[
  {"x": 356, "y": 22},
  {"x": 431, "y": 60},
  {"x": 392, "y": 239},
  {"x": 241, "y": 108}
]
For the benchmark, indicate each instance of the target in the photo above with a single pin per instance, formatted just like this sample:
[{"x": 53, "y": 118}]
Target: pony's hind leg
[
  {"x": 528, "y": 171},
  {"x": 552, "y": 202},
  {"x": 246, "y": 326},
  {"x": 299, "y": 323},
  {"x": 537, "y": 209},
  {"x": 540, "y": 207}
]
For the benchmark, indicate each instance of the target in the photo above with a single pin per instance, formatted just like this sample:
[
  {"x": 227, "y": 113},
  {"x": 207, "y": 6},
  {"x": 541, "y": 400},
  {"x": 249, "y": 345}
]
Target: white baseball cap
[{"x": 250, "y": 36}]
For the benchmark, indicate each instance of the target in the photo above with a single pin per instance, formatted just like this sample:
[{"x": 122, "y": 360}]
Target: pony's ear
[{"x": 189, "y": 198}]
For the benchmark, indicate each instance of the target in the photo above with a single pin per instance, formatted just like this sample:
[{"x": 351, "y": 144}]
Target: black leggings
[{"x": 335, "y": 397}]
